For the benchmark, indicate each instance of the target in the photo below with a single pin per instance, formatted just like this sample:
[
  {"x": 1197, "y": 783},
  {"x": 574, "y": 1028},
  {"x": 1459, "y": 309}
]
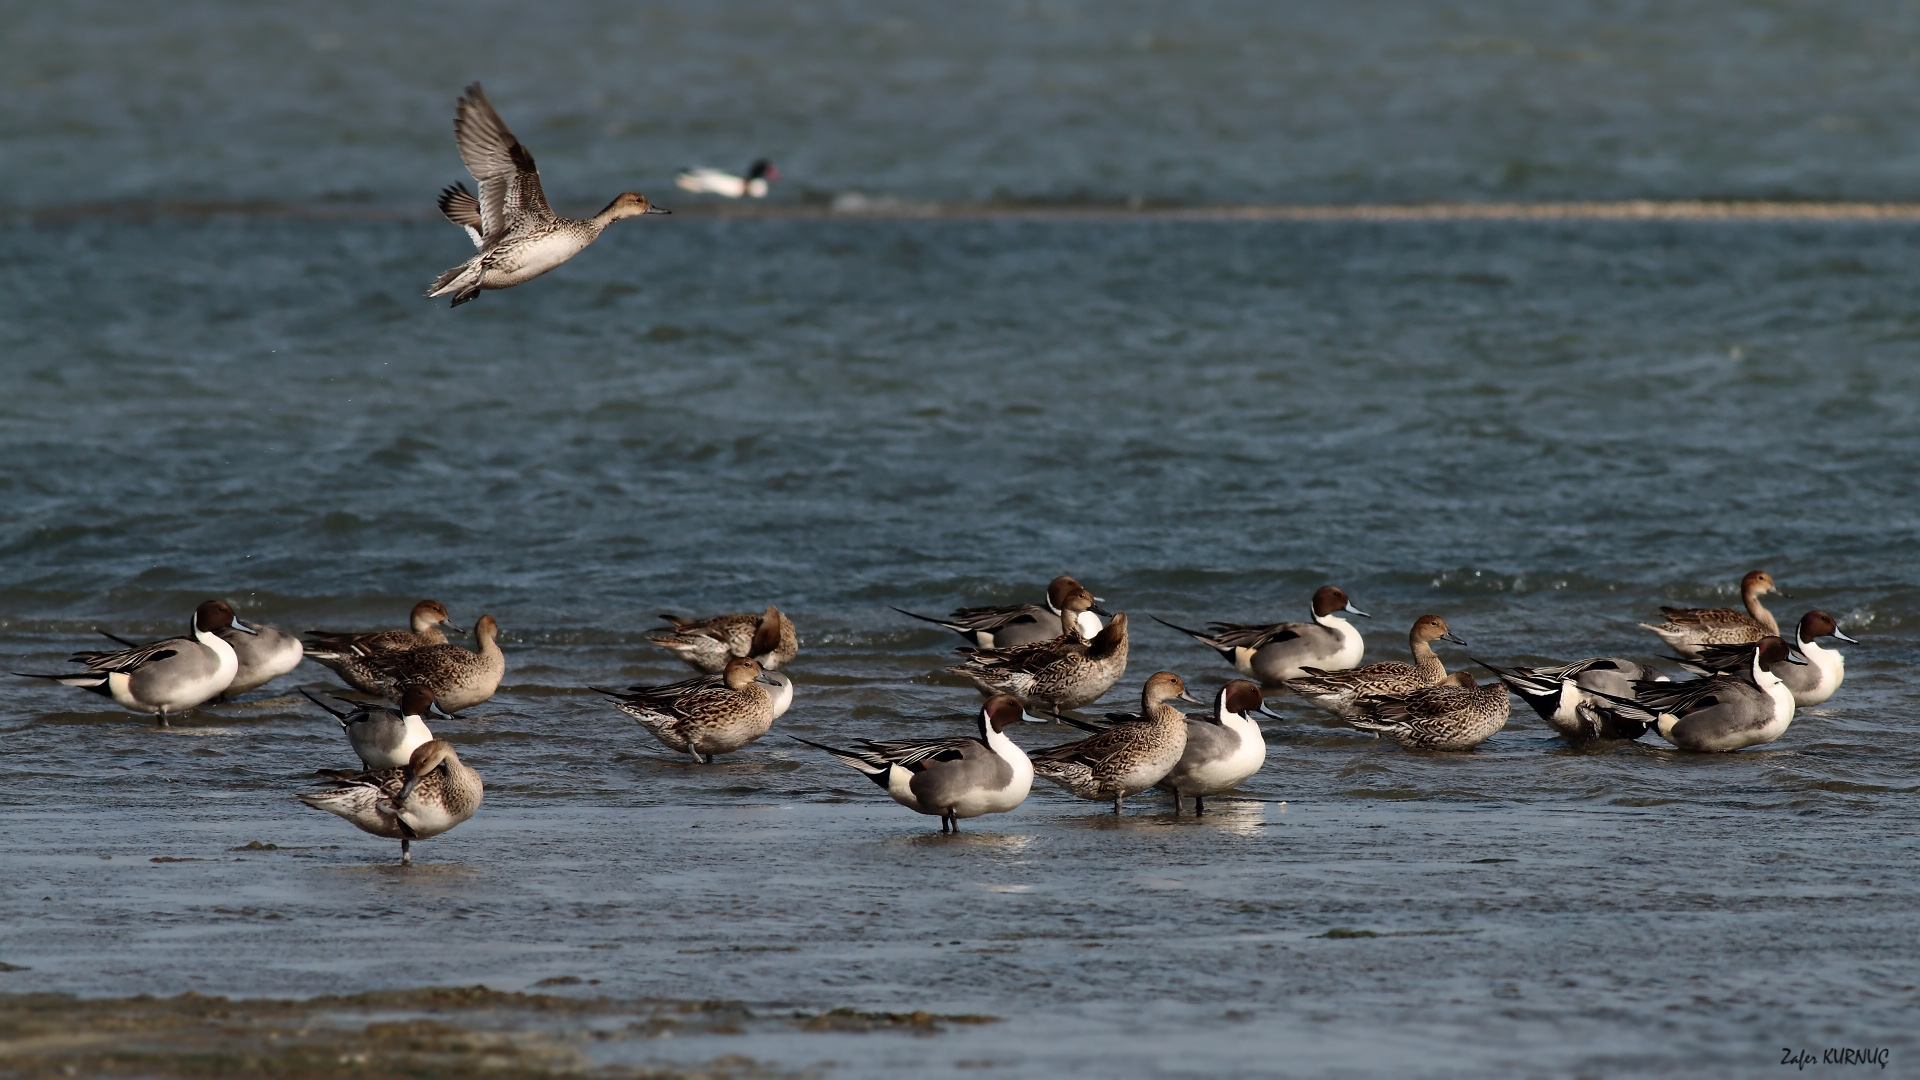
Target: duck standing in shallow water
[
  {"x": 384, "y": 738},
  {"x": 1064, "y": 672},
  {"x": 1561, "y": 695},
  {"x": 1339, "y": 691},
  {"x": 432, "y": 794},
  {"x": 705, "y": 181},
  {"x": 1222, "y": 749},
  {"x": 1129, "y": 757},
  {"x": 950, "y": 778},
  {"x": 1811, "y": 683},
  {"x": 1004, "y": 626},
  {"x": 1456, "y": 714},
  {"x": 167, "y": 676},
  {"x": 519, "y": 237},
  {"x": 1687, "y": 629},
  {"x": 455, "y": 677},
  {"x": 1277, "y": 652},
  {"x": 707, "y": 644},
  {"x": 1723, "y": 712},
  {"x": 261, "y": 654},
  {"x": 701, "y": 717}
]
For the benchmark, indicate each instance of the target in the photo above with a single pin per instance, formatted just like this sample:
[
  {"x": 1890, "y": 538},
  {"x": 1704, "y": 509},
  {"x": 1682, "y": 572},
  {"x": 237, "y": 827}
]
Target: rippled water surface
[{"x": 1541, "y": 432}]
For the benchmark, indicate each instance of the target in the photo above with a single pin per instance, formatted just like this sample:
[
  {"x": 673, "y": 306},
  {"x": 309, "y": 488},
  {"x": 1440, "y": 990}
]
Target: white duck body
[
  {"x": 180, "y": 682},
  {"x": 262, "y": 656},
  {"x": 1223, "y": 751},
  {"x": 950, "y": 778},
  {"x": 1814, "y": 683}
]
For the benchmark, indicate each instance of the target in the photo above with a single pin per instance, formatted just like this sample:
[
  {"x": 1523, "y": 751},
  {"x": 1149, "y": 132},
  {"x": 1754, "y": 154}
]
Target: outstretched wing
[{"x": 509, "y": 181}]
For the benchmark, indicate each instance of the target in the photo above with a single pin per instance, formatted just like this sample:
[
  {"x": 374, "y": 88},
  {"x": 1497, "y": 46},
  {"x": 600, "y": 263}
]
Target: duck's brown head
[
  {"x": 1758, "y": 583},
  {"x": 1002, "y": 711},
  {"x": 428, "y": 756},
  {"x": 1819, "y": 624},
  {"x": 214, "y": 615},
  {"x": 1164, "y": 686},
  {"x": 740, "y": 672},
  {"x": 1771, "y": 651},
  {"x": 415, "y": 701},
  {"x": 431, "y": 613},
  {"x": 630, "y": 204},
  {"x": 1240, "y": 697},
  {"x": 1431, "y": 628},
  {"x": 1328, "y": 599}
]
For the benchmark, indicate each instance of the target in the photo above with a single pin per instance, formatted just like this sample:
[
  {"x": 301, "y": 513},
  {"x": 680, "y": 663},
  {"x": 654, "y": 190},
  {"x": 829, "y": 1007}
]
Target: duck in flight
[{"x": 518, "y": 236}]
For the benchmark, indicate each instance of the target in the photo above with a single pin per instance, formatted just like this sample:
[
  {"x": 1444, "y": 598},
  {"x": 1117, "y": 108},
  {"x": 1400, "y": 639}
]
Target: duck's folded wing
[
  {"x": 127, "y": 659},
  {"x": 911, "y": 754},
  {"x": 1027, "y": 658},
  {"x": 1248, "y": 636},
  {"x": 996, "y": 617}
]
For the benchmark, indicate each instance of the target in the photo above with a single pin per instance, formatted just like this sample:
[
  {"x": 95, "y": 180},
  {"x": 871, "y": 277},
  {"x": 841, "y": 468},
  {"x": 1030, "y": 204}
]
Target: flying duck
[{"x": 518, "y": 236}]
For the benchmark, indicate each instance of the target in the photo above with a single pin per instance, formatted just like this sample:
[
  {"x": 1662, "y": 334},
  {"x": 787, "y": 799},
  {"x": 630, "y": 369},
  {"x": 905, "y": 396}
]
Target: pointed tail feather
[
  {"x": 1197, "y": 635},
  {"x": 931, "y": 619}
]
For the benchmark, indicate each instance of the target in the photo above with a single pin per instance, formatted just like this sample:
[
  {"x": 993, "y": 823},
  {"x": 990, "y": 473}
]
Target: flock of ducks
[
  {"x": 517, "y": 235},
  {"x": 1033, "y": 662}
]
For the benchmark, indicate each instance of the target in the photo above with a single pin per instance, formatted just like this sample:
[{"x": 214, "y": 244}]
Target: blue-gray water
[{"x": 1539, "y": 431}]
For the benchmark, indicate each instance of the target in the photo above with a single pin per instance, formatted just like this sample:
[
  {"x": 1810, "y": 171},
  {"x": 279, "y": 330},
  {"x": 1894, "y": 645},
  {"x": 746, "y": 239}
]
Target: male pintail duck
[
  {"x": 1277, "y": 652},
  {"x": 384, "y": 738},
  {"x": 1686, "y": 629},
  {"x": 425, "y": 623},
  {"x": 1812, "y": 682},
  {"x": 718, "y": 182},
  {"x": 262, "y": 655},
  {"x": 519, "y": 237},
  {"x": 707, "y": 644},
  {"x": 456, "y": 678},
  {"x": 432, "y": 794},
  {"x": 1337, "y": 691},
  {"x": 950, "y": 778},
  {"x": 1063, "y": 672},
  {"x": 1455, "y": 714},
  {"x": 1007, "y": 626},
  {"x": 1728, "y": 711},
  {"x": 1129, "y": 757},
  {"x": 167, "y": 676},
  {"x": 700, "y": 716},
  {"x": 1561, "y": 695},
  {"x": 1222, "y": 749}
]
